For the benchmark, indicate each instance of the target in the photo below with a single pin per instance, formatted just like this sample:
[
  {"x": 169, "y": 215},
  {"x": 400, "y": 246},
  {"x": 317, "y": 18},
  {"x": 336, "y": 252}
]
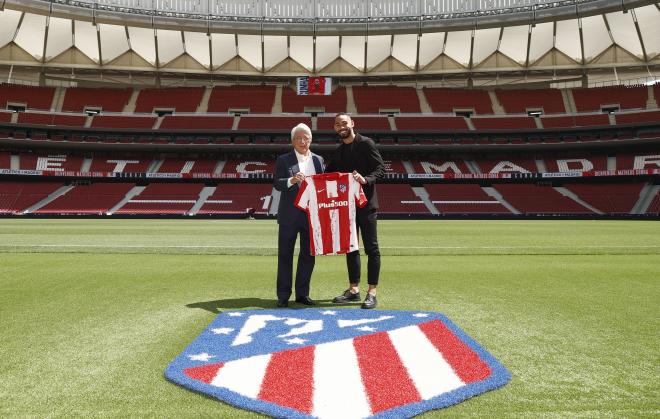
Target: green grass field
[{"x": 92, "y": 311}]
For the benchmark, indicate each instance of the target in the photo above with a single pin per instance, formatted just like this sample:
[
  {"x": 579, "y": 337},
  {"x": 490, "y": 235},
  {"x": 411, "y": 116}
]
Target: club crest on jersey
[
  {"x": 336, "y": 363},
  {"x": 342, "y": 188}
]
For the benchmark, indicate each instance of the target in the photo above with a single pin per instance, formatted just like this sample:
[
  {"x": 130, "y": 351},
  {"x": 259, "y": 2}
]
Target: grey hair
[{"x": 300, "y": 127}]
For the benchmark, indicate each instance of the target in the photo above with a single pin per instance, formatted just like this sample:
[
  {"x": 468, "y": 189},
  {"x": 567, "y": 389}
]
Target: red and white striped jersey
[{"x": 330, "y": 201}]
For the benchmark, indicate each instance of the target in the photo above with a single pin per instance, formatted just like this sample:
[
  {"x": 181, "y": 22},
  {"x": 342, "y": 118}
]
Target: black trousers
[
  {"x": 366, "y": 220},
  {"x": 286, "y": 241}
]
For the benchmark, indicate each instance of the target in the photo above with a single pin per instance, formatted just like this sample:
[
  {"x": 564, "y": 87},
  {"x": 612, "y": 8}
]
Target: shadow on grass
[{"x": 217, "y": 306}]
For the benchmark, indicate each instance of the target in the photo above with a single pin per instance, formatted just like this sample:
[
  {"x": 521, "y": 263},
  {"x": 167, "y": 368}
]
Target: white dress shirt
[{"x": 305, "y": 165}]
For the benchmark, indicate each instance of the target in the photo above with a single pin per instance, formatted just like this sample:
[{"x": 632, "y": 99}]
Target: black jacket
[
  {"x": 363, "y": 156},
  {"x": 286, "y": 166}
]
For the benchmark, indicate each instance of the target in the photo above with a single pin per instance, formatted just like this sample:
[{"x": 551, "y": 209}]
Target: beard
[{"x": 345, "y": 133}]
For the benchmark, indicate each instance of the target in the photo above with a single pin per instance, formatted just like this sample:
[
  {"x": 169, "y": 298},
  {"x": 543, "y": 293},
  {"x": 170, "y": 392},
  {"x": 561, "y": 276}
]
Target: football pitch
[{"x": 93, "y": 311}]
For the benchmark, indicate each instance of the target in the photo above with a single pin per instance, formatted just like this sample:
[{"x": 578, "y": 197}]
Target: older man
[{"x": 290, "y": 171}]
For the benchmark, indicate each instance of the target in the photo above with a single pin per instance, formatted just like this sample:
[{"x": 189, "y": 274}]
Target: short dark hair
[{"x": 343, "y": 114}]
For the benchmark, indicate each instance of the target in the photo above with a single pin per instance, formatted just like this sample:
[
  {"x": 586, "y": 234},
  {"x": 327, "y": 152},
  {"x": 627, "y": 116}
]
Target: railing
[{"x": 318, "y": 11}]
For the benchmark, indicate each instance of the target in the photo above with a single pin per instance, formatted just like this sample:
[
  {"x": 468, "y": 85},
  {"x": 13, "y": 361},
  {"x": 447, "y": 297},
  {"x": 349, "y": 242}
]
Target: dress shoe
[
  {"x": 370, "y": 301},
  {"x": 347, "y": 297},
  {"x": 306, "y": 301},
  {"x": 282, "y": 303}
]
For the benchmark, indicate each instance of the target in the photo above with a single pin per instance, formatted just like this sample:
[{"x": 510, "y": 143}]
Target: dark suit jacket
[
  {"x": 286, "y": 166},
  {"x": 363, "y": 156}
]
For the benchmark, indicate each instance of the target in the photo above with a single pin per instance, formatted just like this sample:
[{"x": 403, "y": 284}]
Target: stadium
[{"x": 138, "y": 146}]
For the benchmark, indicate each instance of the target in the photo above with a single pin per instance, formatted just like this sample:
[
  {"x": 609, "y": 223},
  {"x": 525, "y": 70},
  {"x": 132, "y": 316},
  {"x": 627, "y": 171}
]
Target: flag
[
  {"x": 336, "y": 363},
  {"x": 314, "y": 86}
]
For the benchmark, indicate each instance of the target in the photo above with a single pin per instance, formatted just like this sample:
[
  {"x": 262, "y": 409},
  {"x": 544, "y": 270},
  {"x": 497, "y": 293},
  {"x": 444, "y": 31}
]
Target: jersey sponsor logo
[
  {"x": 336, "y": 363},
  {"x": 333, "y": 204}
]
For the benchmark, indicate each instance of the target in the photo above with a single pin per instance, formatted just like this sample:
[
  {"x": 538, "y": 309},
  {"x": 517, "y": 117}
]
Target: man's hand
[
  {"x": 359, "y": 177},
  {"x": 298, "y": 178}
]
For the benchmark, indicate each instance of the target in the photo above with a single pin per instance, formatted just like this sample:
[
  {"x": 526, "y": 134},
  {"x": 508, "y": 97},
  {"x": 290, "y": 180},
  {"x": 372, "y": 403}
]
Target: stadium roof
[{"x": 493, "y": 39}]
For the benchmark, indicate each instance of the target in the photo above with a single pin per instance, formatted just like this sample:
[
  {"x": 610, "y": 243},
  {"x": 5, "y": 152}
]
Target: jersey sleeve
[
  {"x": 358, "y": 193},
  {"x": 302, "y": 199}
]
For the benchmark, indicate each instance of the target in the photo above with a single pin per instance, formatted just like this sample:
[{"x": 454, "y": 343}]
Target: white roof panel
[
  {"x": 430, "y": 47},
  {"x": 458, "y": 46},
  {"x": 404, "y": 49},
  {"x": 624, "y": 32},
  {"x": 113, "y": 41},
  {"x": 301, "y": 49},
  {"x": 352, "y": 50},
  {"x": 485, "y": 44},
  {"x": 223, "y": 48},
  {"x": 85, "y": 38},
  {"x": 648, "y": 18},
  {"x": 60, "y": 37},
  {"x": 31, "y": 34},
  {"x": 568, "y": 39},
  {"x": 327, "y": 50},
  {"x": 249, "y": 48},
  {"x": 143, "y": 43},
  {"x": 514, "y": 43},
  {"x": 170, "y": 45},
  {"x": 275, "y": 50},
  {"x": 197, "y": 46},
  {"x": 8, "y": 24},
  {"x": 378, "y": 48},
  {"x": 541, "y": 41},
  {"x": 596, "y": 37}
]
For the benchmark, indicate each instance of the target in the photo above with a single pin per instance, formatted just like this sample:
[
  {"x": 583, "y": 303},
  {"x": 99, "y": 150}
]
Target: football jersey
[{"x": 330, "y": 201}]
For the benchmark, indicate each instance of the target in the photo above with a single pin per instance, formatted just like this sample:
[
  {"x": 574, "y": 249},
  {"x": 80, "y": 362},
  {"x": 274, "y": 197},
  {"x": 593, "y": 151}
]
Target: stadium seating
[
  {"x": 463, "y": 199},
  {"x": 115, "y": 121},
  {"x": 15, "y": 197},
  {"x": 76, "y": 99},
  {"x": 394, "y": 166},
  {"x": 654, "y": 208},
  {"x": 32, "y": 97},
  {"x": 34, "y": 118},
  {"x": 362, "y": 123},
  {"x": 577, "y": 163},
  {"x": 180, "y": 99},
  {"x": 430, "y": 123},
  {"x": 52, "y": 161},
  {"x": 399, "y": 199},
  {"x": 430, "y": 166},
  {"x": 532, "y": 199},
  {"x": 258, "y": 99},
  {"x": 96, "y": 198},
  {"x": 171, "y": 165},
  {"x": 5, "y": 160},
  {"x": 334, "y": 103},
  {"x": 247, "y": 166},
  {"x": 445, "y": 100},
  {"x": 507, "y": 165},
  {"x": 274, "y": 123},
  {"x": 593, "y": 99},
  {"x": 180, "y": 122},
  {"x": 503, "y": 123},
  {"x": 522, "y": 100},
  {"x": 637, "y": 117},
  {"x": 238, "y": 199},
  {"x": 617, "y": 198},
  {"x": 375, "y": 99},
  {"x": 594, "y": 120},
  {"x": 120, "y": 164},
  {"x": 5, "y": 116},
  {"x": 163, "y": 198}
]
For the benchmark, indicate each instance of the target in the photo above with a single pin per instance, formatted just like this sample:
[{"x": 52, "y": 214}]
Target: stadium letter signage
[{"x": 321, "y": 363}]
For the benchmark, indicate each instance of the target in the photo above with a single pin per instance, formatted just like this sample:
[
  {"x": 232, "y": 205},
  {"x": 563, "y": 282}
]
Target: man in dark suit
[
  {"x": 358, "y": 155},
  {"x": 290, "y": 171}
]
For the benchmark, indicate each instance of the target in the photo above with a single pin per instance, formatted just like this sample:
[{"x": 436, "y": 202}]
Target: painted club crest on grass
[{"x": 336, "y": 363}]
